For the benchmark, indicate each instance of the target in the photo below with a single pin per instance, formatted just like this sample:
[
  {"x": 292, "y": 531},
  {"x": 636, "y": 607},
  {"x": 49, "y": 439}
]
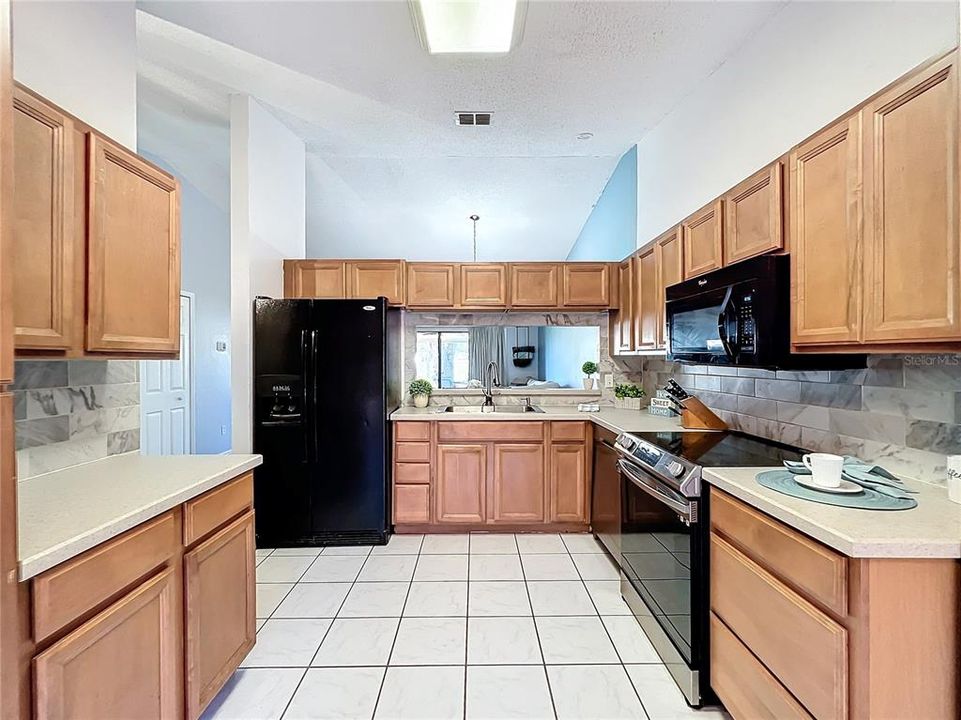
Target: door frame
[{"x": 191, "y": 396}]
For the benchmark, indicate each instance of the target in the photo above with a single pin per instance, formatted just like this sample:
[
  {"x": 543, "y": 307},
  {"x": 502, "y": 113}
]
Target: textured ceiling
[{"x": 388, "y": 169}]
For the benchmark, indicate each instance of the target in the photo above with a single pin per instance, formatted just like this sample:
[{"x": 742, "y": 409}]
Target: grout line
[
  {"x": 294, "y": 693},
  {"x": 397, "y": 629},
  {"x": 611, "y": 639},
  {"x": 537, "y": 633}
]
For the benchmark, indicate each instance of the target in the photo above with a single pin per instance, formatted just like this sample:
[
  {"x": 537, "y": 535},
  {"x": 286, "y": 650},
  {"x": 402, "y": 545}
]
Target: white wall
[
  {"x": 812, "y": 62},
  {"x": 267, "y": 224},
  {"x": 83, "y": 57}
]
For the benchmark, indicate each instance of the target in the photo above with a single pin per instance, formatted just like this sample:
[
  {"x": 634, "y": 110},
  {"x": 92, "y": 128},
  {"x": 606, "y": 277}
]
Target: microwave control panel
[{"x": 745, "y": 323}]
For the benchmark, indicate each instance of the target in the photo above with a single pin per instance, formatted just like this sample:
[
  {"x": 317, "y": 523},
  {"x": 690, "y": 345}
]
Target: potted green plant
[
  {"x": 420, "y": 390},
  {"x": 628, "y": 396},
  {"x": 589, "y": 368}
]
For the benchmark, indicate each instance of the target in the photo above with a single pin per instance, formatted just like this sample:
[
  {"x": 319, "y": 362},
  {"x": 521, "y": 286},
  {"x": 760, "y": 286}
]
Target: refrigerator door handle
[
  {"x": 308, "y": 426},
  {"x": 313, "y": 399}
]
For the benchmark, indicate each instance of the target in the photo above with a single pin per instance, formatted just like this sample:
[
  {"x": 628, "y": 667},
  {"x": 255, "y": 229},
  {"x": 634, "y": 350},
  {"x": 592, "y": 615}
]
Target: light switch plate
[{"x": 608, "y": 380}]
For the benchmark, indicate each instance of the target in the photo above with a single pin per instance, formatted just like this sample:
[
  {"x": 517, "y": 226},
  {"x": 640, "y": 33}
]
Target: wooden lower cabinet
[
  {"x": 519, "y": 474},
  {"x": 517, "y": 492},
  {"x": 799, "y": 630},
  {"x": 126, "y": 662},
  {"x": 221, "y": 610},
  {"x": 461, "y": 484},
  {"x": 152, "y": 623},
  {"x": 569, "y": 487}
]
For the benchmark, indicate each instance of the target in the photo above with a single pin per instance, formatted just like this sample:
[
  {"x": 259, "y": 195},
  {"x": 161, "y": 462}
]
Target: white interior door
[{"x": 165, "y": 417}]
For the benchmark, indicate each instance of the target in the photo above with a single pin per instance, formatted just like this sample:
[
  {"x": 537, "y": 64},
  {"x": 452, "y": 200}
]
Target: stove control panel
[{"x": 682, "y": 475}]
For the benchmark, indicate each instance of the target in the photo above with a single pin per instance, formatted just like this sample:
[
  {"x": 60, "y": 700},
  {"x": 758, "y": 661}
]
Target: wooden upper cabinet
[
  {"x": 431, "y": 284},
  {"x": 460, "y": 495},
  {"x": 377, "y": 278},
  {"x": 44, "y": 231},
  {"x": 569, "y": 489},
  {"x": 622, "y": 321},
  {"x": 126, "y": 662},
  {"x": 517, "y": 492},
  {"x": 646, "y": 296},
  {"x": 702, "y": 235},
  {"x": 754, "y": 215},
  {"x": 133, "y": 253},
  {"x": 826, "y": 222},
  {"x": 220, "y": 610},
  {"x": 483, "y": 285},
  {"x": 534, "y": 285},
  {"x": 586, "y": 285},
  {"x": 670, "y": 271},
  {"x": 911, "y": 197},
  {"x": 320, "y": 279}
]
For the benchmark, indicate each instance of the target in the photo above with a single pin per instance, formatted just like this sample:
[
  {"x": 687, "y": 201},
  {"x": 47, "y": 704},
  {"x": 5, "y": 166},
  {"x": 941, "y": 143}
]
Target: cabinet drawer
[
  {"x": 70, "y": 590},
  {"x": 489, "y": 430},
  {"x": 411, "y": 503},
  {"x": 413, "y": 452},
  {"x": 205, "y": 514},
  {"x": 412, "y": 430},
  {"x": 743, "y": 684},
  {"x": 801, "y": 646},
  {"x": 411, "y": 473},
  {"x": 568, "y": 431},
  {"x": 808, "y": 566}
]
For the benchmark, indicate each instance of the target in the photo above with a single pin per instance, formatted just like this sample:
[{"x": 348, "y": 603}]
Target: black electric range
[{"x": 663, "y": 544}]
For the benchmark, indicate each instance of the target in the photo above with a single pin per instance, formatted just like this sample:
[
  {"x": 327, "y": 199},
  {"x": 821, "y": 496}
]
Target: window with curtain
[{"x": 443, "y": 357}]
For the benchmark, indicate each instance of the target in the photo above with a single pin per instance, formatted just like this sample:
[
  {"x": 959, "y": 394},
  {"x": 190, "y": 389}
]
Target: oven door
[{"x": 664, "y": 581}]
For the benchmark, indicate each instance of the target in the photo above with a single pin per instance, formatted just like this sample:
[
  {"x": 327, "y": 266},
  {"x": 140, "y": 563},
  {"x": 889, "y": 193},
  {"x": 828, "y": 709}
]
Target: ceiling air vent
[{"x": 472, "y": 118}]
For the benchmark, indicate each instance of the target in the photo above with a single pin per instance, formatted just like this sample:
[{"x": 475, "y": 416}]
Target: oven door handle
[{"x": 682, "y": 509}]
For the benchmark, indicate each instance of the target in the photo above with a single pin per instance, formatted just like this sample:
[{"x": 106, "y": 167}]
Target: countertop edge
[
  {"x": 837, "y": 540},
  {"x": 41, "y": 562}
]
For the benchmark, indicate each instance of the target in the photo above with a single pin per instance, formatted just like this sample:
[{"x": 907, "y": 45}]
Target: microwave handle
[{"x": 729, "y": 348}]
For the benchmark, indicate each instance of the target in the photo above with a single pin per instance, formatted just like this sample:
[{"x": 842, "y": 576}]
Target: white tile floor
[{"x": 448, "y": 626}]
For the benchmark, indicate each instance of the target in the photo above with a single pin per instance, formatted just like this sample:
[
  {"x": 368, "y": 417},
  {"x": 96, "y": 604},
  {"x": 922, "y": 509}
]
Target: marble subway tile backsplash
[
  {"x": 903, "y": 412},
  {"x": 72, "y": 411}
]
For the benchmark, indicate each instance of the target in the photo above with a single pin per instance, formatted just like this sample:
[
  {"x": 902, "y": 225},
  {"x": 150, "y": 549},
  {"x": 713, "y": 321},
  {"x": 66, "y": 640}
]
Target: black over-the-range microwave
[{"x": 741, "y": 315}]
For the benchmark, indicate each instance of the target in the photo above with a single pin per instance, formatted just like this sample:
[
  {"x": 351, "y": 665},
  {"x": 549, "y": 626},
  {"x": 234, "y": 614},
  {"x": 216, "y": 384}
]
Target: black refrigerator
[{"x": 326, "y": 377}]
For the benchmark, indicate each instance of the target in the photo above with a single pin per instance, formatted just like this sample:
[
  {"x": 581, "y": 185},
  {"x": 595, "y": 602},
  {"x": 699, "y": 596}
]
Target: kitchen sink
[{"x": 497, "y": 409}]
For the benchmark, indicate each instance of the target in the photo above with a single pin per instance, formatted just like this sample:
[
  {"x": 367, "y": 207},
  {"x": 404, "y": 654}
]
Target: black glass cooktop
[{"x": 722, "y": 449}]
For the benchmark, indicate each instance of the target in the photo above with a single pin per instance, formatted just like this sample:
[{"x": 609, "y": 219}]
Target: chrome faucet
[{"x": 491, "y": 378}]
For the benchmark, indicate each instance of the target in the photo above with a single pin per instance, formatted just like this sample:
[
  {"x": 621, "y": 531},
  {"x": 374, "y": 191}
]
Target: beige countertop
[
  {"x": 63, "y": 513},
  {"x": 614, "y": 419},
  {"x": 930, "y": 530}
]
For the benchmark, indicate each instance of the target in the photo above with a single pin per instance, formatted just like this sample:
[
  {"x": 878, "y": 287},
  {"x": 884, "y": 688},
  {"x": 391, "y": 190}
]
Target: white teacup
[{"x": 825, "y": 468}]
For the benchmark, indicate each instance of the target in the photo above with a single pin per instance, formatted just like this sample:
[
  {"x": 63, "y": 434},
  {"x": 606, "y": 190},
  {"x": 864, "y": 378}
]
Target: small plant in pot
[
  {"x": 589, "y": 368},
  {"x": 420, "y": 390},
  {"x": 628, "y": 396}
]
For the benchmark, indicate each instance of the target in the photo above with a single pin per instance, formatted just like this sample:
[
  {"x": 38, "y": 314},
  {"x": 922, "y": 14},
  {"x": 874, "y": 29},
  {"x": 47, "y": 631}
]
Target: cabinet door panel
[
  {"x": 221, "y": 610},
  {"x": 126, "y": 662},
  {"x": 518, "y": 491},
  {"x": 133, "y": 259},
  {"x": 622, "y": 321},
  {"x": 703, "y": 233},
  {"x": 376, "y": 278},
  {"x": 586, "y": 285},
  {"x": 533, "y": 285},
  {"x": 754, "y": 216},
  {"x": 461, "y": 484},
  {"x": 911, "y": 206},
  {"x": 411, "y": 503},
  {"x": 431, "y": 284},
  {"x": 568, "y": 483},
  {"x": 826, "y": 235},
  {"x": 645, "y": 294},
  {"x": 44, "y": 232},
  {"x": 325, "y": 280},
  {"x": 483, "y": 285},
  {"x": 670, "y": 271}
]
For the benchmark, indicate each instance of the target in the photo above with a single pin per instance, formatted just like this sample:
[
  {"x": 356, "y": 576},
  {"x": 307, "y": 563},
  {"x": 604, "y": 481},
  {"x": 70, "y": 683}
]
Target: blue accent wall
[{"x": 610, "y": 232}]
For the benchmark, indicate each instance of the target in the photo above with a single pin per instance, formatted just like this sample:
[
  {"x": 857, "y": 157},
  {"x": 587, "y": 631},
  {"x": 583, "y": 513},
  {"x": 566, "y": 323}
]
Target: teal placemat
[{"x": 782, "y": 481}]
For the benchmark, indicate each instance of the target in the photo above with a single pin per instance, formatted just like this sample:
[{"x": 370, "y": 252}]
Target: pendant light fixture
[{"x": 474, "y": 218}]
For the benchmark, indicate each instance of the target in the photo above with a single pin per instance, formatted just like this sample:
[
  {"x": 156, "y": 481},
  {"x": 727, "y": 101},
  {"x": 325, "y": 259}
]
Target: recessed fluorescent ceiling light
[{"x": 466, "y": 26}]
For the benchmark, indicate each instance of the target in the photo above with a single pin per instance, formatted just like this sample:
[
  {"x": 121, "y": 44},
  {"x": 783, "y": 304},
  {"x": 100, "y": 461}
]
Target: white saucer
[{"x": 845, "y": 488}]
